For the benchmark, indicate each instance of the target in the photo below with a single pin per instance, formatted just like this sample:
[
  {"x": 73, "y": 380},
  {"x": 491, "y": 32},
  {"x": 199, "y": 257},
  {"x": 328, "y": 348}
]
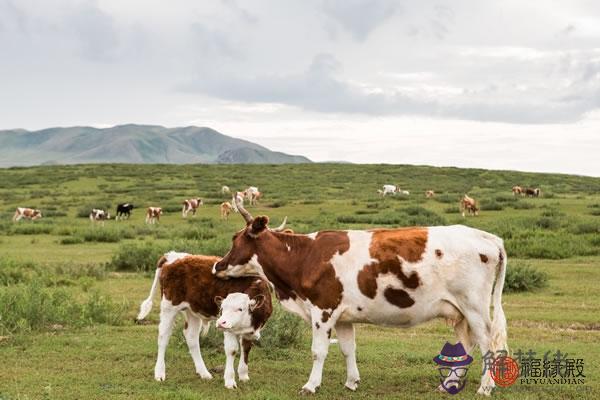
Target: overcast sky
[{"x": 493, "y": 84}]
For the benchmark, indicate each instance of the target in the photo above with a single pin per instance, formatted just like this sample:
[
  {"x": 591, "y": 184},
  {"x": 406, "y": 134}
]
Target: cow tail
[
  {"x": 499, "y": 336},
  {"x": 146, "y": 305}
]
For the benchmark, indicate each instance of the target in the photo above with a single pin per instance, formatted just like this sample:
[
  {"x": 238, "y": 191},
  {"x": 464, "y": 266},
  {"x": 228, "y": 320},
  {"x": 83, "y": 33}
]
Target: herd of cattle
[{"x": 331, "y": 279}]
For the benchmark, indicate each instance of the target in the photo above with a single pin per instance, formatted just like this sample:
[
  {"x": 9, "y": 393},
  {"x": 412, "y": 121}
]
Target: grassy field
[{"x": 69, "y": 291}]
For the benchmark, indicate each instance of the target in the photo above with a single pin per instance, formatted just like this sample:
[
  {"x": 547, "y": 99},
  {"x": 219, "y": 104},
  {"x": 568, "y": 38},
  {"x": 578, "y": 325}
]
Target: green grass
[{"x": 69, "y": 291}]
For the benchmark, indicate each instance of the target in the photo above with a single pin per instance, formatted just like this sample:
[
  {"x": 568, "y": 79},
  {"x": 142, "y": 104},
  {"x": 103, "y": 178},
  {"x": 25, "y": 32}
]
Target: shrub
[
  {"x": 548, "y": 223},
  {"x": 32, "y": 229},
  {"x": 283, "y": 329},
  {"x": 452, "y": 210},
  {"x": 522, "y": 205},
  {"x": 585, "y": 228},
  {"x": 524, "y": 278},
  {"x": 491, "y": 205},
  {"x": 134, "y": 257},
  {"x": 197, "y": 233},
  {"x": 72, "y": 240}
]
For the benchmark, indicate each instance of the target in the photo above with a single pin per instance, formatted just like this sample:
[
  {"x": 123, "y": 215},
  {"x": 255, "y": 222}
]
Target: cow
[
  {"x": 225, "y": 190},
  {"x": 189, "y": 287},
  {"x": 468, "y": 205},
  {"x": 403, "y": 277},
  {"x": 27, "y": 213},
  {"x": 387, "y": 189},
  {"x": 226, "y": 209},
  {"x": 191, "y": 205},
  {"x": 124, "y": 211},
  {"x": 99, "y": 216},
  {"x": 153, "y": 215},
  {"x": 252, "y": 194},
  {"x": 517, "y": 190},
  {"x": 404, "y": 192},
  {"x": 532, "y": 192},
  {"x": 429, "y": 194}
]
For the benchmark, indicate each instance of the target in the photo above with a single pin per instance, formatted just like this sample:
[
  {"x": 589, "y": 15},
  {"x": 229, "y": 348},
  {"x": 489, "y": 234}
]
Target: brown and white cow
[
  {"x": 429, "y": 194},
  {"x": 517, "y": 190},
  {"x": 468, "y": 205},
  {"x": 225, "y": 190},
  {"x": 402, "y": 277},
  {"x": 27, "y": 213},
  {"x": 532, "y": 192},
  {"x": 153, "y": 215},
  {"x": 189, "y": 287},
  {"x": 252, "y": 194},
  {"x": 191, "y": 205},
  {"x": 226, "y": 209},
  {"x": 99, "y": 216}
]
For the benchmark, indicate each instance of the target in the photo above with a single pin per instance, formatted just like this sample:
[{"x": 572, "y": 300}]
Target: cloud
[
  {"x": 360, "y": 17},
  {"x": 95, "y": 31}
]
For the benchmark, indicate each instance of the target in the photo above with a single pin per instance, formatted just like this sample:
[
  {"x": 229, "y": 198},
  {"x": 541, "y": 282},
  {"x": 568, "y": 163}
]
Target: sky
[{"x": 495, "y": 84}]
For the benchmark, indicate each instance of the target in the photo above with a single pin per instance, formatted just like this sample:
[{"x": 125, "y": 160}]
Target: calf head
[
  {"x": 36, "y": 214},
  {"x": 236, "y": 310}
]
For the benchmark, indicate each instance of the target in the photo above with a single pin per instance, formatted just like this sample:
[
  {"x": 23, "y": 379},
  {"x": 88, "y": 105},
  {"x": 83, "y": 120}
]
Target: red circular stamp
[{"x": 505, "y": 371}]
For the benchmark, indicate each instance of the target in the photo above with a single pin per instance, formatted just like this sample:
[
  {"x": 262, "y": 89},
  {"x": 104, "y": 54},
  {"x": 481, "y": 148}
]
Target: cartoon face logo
[{"x": 453, "y": 365}]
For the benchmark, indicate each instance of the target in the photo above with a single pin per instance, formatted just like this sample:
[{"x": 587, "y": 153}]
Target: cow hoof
[
  {"x": 306, "y": 391},
  {"x": 244, "y": 378},
  {"x": 159, "y": 377},
  {"x": 353, "y": 385},
  {"x": 204, "y": 375},
  {"x": 484, "y": 391},
  {"x": 231, "y": 385}
]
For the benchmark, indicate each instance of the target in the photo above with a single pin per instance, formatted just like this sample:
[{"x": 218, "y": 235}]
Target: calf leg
[
  {"x": 320, "y": 348},
  {"x": 165, "y": 328},
  {"x": 246, "y": 345},
  {"x": 192, "y": 338},
  {"x": 230, "y": 343},
  {"x": 345, "y": 335}
]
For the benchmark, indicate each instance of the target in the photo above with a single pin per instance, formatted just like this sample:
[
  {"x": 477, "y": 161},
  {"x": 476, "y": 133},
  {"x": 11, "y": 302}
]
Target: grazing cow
[
  {"x": 429, "y": 194},
  {"x": 188, "y": 286},
  {"x": 532, "y": 192},
  {"x": 225, "y": 190},
  {"x": 153, "y": 215},
  {"x": 469, "y": 205},
  {"x": 27, "y": 213},
  {"x": 252, "y": 194},
  {"x": 401, "y": 277},
  {"x": 517, "y": 190},
  {"x": 393, "y": 189},
  {"x": 98, "y": 215},
  {"x": 124, "y": 211},
  {"x": 226, "y": 209},
  {"x": 191, "y": 205}
]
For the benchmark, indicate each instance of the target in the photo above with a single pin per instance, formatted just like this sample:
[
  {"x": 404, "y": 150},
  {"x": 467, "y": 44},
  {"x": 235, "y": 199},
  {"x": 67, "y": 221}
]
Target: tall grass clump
[{"x": 524, "y": 278}]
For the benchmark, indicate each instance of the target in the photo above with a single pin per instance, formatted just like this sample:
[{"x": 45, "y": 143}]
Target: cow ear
[
  {"x": 218, "y": 300},
  {"x": 257, "y": 302},
  {"x": 259, "y": 224}
]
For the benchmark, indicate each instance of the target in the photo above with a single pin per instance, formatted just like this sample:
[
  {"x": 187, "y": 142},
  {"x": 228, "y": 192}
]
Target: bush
[
  {"x": 32, "y": 229},
  {"x": 522, "y": 205},
  {"x": 585, "y": 228},
  {"x": 283, "y": 329},
  {"x": 134, "y": 257},
  {"x": 491, "y": 205},
  {"x": 72, "y": 240},
  {"x": 524, "y": 278}
]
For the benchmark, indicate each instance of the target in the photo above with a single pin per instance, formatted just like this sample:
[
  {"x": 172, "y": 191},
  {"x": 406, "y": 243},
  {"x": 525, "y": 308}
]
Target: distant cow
[
  {"x": 191, "y": 205},
  {"x": 153, "y": 215},
  {"x": 389, "y": 189},
  {"x": 27, "y": 213},
  {"x": 225, "y": 190},
  {"x": 429, "y": 194},
  {"x": 99, "y": 216},
  {"x": 404, "y": 192},
  {"x": 188, "y": 286},
  {"x": 226, "y": 209},
  {"x": 252, "y": 194},
  {"x": 532, "y": 192},
  {"x": 468, "y": 205},
  {"x": 124, "y": 211},
  {"x": 517, "y": 190}
]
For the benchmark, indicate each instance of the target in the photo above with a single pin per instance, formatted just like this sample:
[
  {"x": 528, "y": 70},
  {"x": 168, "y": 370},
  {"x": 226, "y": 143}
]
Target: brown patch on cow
[
  {"x": 398, "y": 297},
  {"x": 483, "y": 258},
  {"x": 439, "y": 253},
  {"x": 386, "y": 247},
  {"x": 329, "y": 333},
  {"x": 359, "y": 308},
  {"x": 246, "y": 346},
  {"x": 185, "y": 325},
  {"x": 317, "y": 325},
  {"x": 325, "y": 316},
  {"x": 190, "y": 279}
]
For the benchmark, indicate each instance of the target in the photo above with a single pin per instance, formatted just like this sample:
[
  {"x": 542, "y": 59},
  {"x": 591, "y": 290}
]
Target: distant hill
[{"x": 140, "y": 144}]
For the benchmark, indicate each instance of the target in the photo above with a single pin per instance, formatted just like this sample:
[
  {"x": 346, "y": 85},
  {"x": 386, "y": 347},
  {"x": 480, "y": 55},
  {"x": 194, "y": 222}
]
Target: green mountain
[{"x": 139, "y": 144}]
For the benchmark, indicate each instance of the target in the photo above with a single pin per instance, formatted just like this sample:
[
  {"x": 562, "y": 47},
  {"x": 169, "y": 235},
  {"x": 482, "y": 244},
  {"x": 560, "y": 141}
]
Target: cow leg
[
  {"x": 480, "y": 327},
  {"x": 192, "y": 338},
  {"x": 246, "y": 345},
  {"x": 165, "y": 328},
  {"x": 230, "y": 344},
  {"x": 345, "y": 335},
  {"x": 319, "y": 348}
]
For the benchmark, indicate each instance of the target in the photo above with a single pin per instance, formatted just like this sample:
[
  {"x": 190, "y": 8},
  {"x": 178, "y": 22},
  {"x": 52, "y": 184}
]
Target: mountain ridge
[{"x": 132, "y": 143}]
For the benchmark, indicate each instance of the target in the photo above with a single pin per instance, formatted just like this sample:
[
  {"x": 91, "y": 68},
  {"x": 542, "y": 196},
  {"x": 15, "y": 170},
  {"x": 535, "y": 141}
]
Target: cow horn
[
  {"x": 281, "y": 227},
  {"x": 247, "y": 217}
]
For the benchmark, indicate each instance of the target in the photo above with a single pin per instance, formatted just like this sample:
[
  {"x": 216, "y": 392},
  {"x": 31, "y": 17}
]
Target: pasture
[{"x": 69, "y": 291}]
